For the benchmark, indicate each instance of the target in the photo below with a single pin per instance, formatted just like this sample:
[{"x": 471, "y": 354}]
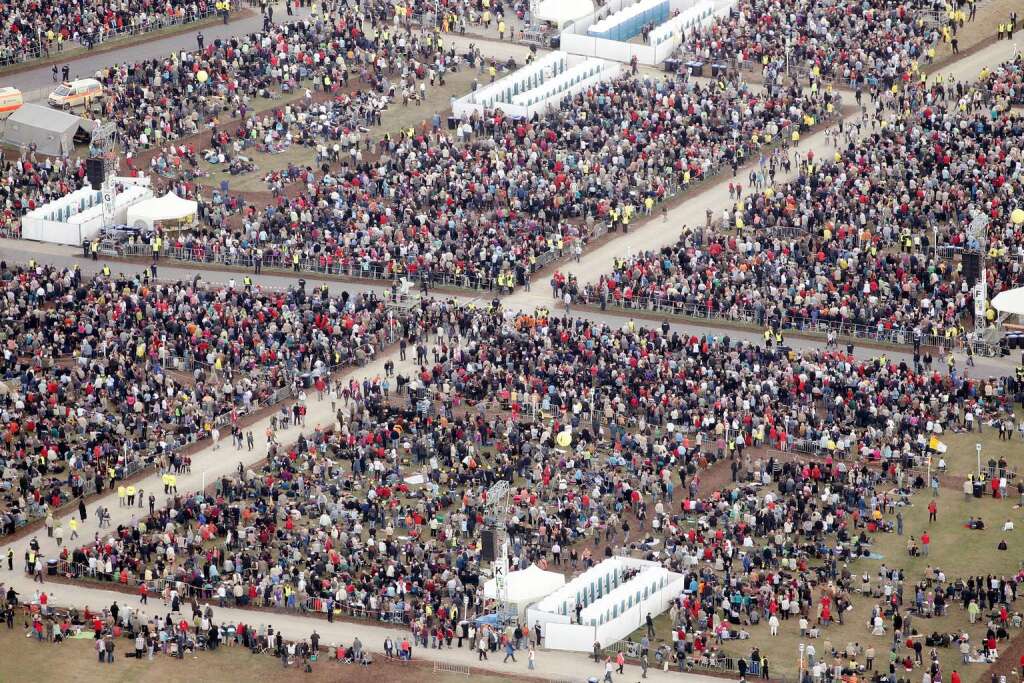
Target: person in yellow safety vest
[
  {"x": 122, "y": 496},
  {"x": 768, "y": 338},
  {"x": 295, "y": 261},
  {"x": 492, "y": 72},
  {"x": 130, "y": 491},
  {"x": 908, "y": 243},
  {"x": 94, "y": 249},
  {"x": 73, "y": 525},
  {"x": 247, "y": 283},
  {"x": 166, "y": 481},
  {"x": 501, "y": 29},
  {"x": 106, "y": 270}
]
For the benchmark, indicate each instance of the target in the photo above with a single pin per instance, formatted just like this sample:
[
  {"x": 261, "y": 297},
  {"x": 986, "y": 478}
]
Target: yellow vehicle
[
  {"x": 75, "y": 94},
  {"x": 10, "y": 101}
]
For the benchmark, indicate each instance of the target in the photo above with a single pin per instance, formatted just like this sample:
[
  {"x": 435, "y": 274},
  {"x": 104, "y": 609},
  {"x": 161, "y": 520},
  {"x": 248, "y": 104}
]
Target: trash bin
[
  {"x": 51, "y": 567},
  {"x": 979, "y": 489},
  {"x": 671, "y": 65},
  {"x": 453, "y": 122},
  {"x": 695, "y": 68},
  {"x": 718, "y": 70}
]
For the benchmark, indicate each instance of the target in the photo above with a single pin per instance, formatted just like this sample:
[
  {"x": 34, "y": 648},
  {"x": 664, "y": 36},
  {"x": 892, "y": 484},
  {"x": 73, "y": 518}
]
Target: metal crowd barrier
[{"x": 746, "y": 316}]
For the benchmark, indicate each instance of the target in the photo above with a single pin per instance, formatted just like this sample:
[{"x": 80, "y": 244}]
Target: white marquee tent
[
  {"x": 169, "y": 211},
  {"x": 528, "y": 585},
  {"x": 1011, "y": 301}
]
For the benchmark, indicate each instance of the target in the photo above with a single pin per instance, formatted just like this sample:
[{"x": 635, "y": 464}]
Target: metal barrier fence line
[
  {"x": 452, "y": 668},
  {"x": 846, "y": 330},
  {"x": 280, "y": 262},
  {"x": 147, "y": 25}
]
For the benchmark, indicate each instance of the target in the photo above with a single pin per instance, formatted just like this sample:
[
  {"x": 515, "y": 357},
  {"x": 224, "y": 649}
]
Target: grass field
[{"x": 25, "y": 659}]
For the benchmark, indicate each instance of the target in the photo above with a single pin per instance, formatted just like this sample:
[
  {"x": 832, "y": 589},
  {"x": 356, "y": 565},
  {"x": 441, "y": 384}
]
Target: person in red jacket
[{"x": 955, "y": 677}]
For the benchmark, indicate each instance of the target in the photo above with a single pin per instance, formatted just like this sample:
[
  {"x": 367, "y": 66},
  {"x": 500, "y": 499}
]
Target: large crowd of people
[
  {"x": 488, "y": 203},
  {"x": 514, "y": 193},
  {"x": 333, "y": 523},
  {"x": 607, "y": 434},
  {"x": 872, "y": 44},
  {"x": 106, "y": 374}
]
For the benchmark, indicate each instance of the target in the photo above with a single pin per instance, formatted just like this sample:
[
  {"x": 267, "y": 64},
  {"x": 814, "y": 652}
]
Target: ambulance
[
  {"x": 10, "y": 101},
  {"x": 75, "y": 94}
]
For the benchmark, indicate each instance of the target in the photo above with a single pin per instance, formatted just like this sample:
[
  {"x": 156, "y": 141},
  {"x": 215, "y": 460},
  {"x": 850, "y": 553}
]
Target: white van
[
  {"x": 10, "y": 101},
  {"x": 80, "y": 93}
]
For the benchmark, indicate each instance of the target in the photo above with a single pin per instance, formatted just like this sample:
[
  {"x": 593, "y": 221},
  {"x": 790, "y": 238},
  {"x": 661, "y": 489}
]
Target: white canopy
[
  {"x": 559, "y": 12},
  {"x": 1011, "y": 301},
  {"x": 170, "y": 207},
  {"x": 528, "y": 585}
]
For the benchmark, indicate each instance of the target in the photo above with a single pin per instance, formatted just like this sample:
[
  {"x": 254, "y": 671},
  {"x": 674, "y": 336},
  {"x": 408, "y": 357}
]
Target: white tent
[
  {"x": 1011, "y": 301},
  {"x": 560, "y": 12},
  {"x": 169, "y": 211},
  {"x": 526, "y": 586}
]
